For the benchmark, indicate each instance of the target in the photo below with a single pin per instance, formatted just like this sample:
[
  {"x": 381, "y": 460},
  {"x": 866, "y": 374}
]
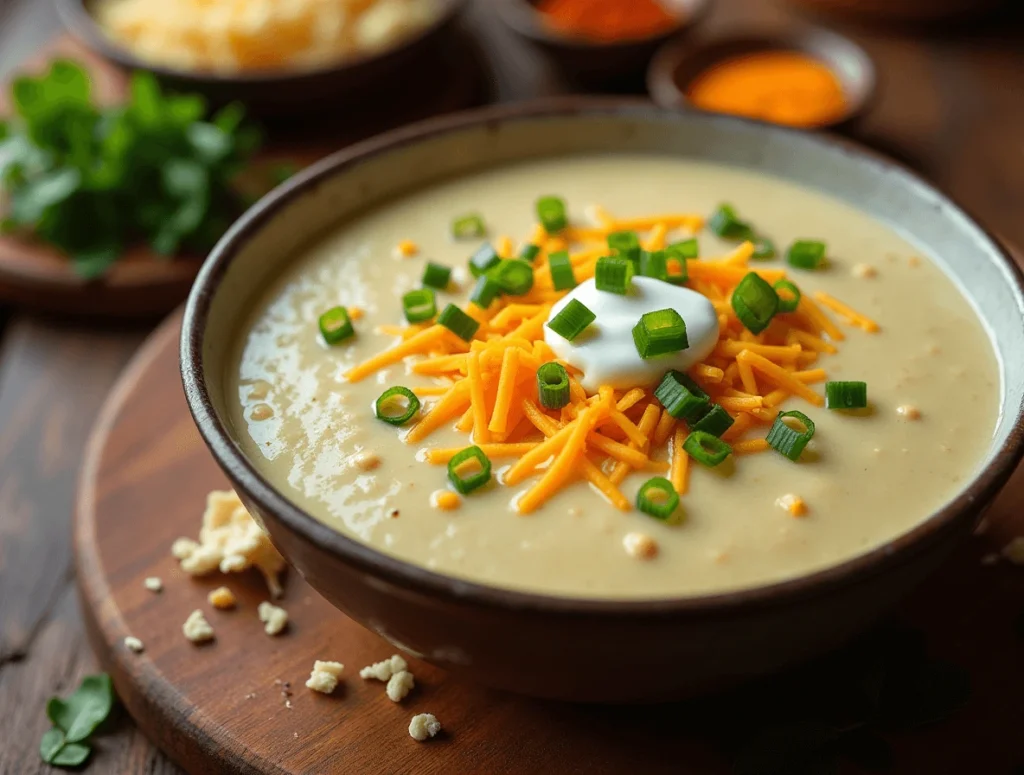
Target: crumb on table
[
  {"x": 153, "y": 584},
  {"x": 324, "y": 676},
  {"x": 424, "y": 726},
  {"x": 399, "y": 685},
  {"x": 196, "y": 628},
  {"x": 133, "y": 644},
  {"x": 383, "y": 670},
  {"x": 273, "y": 617},
  {"x": 222, "y": 598}
]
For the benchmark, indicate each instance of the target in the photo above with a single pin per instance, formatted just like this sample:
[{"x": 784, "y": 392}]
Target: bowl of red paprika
[{"x": 601, "y": 43}]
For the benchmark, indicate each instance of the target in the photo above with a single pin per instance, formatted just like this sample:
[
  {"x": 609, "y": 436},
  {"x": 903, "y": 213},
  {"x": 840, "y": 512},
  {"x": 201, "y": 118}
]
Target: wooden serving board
[{"x": 222, "y": 707}]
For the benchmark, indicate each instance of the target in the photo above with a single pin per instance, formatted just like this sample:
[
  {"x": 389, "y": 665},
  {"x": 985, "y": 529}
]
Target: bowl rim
[
  {"x": 964, "y": 507},
  {"x": 81, "y": 23},
  {"x": 667, "y": 92}
]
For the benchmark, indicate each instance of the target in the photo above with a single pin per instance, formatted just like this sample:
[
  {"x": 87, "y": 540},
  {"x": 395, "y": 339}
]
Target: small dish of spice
[
  {"x": 600, "y": 43},
  {"x": 810, "y": 80}
]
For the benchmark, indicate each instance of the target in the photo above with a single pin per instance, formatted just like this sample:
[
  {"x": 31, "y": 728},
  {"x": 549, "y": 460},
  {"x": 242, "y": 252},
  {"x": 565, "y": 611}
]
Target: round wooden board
[{"x": 145, "y": 285}]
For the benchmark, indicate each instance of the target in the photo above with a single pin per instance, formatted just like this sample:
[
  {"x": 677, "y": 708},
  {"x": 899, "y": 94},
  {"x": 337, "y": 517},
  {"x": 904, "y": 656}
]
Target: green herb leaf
[
  {"x": 79, "y": 715},
  {"x": 90, "y": 265},
  {"x": 50, "y": 745},
  {"x": 71, "y": 755}
]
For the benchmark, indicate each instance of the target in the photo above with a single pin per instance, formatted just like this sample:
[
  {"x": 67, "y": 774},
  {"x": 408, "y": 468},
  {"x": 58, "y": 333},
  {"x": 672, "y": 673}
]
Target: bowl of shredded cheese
[{"x": 275, "y": 56}]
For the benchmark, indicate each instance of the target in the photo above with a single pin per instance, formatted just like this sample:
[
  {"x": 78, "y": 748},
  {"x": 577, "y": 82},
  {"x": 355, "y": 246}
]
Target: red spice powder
[{"x": 607, "y": 20}]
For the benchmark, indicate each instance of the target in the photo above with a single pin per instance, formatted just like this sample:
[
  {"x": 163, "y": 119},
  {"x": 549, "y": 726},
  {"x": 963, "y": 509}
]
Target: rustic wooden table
[{"x": 951, "y": 105}]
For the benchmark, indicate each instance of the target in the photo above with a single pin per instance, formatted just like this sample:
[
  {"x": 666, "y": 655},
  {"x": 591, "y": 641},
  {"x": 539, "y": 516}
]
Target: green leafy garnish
[
  {"x": 74, "y": 721},
  {"x": 91, "y": 180}
]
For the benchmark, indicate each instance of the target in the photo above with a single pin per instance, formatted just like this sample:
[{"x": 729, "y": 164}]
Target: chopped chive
[
  {"x": 706, "y": 449},
  {"x": 725, "y": 223},
  {"x": 657, "y": 498},
  {"x": 686, "y": 248},
  {"x": 682, "y": 397},
  {"x": 764, "y": 248},
  {"x": 654, "y": 264},
  {"x": 755, "y": 303},
  {"x": 660, "y": 333},
  {"x": 613, "y": 274},
  {"x": 846, "y": 395},
  {"x": 436, "y": 275},
  {"x": 625, "y": 244},
  {"x": 551, "y": 212},
  {"x": 419, "y": 305},
  {"x": 469, "y": 226},
  {"x": 789, "y": 441},
  {"x": 466, "y": 484},
  {"x": 458, "y": 322},
  {"x": 485, "y": 291},
  {"x": 791, "y": 301},
  {"x": 529, "y": 252},
  {"x": 572, "y": 320},
  {"x": 392, "y": 396},
  {"x": 561, "y": 271},
  {"x": 716, "y": 422},
  {"x": 806, "y": 254},
  {"x": 513, "y": 276},
  {"x": 336, "y": 325},
  {"x": 485, "y": 258},
  {"x": 553, "y": 385}
]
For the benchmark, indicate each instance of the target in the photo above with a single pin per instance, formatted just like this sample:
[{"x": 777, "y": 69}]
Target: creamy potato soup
[{"x": 677, "y": 388}]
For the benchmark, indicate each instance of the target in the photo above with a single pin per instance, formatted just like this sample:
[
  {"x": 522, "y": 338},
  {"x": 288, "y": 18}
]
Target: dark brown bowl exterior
[
  {"x": 901, "y": 11},
  {"x": 278, "y": 95},
  {"x": 676, "y": 65},
  {"x": 586, "y": 649}
]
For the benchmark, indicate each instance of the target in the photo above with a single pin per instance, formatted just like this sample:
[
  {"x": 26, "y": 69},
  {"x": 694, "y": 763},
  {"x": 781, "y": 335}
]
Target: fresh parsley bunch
[{"x": 91, "y": 180}]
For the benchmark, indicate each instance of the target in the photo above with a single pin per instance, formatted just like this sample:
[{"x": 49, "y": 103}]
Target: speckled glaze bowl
[{"x": 596, "y": 650}]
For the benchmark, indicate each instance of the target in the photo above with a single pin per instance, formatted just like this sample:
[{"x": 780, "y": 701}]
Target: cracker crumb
[
  {"x": 424, "y": 726},
  {"x": 324, "y": 676},
  {"x": 384, "y": 669},
  {"x": 909, "y": 411},
  {"x": 399, "y": 685},
  {"x": 366, "y": 461},
  {"x": 794, "y": 504},
  {"x": 445, "y": 500},
  {"x": 864, "y": 271},
  {"x": 640, "y": 545},
  {"x": 133, "y": 644},
  {"x": 153, "y": 584},
  {"x": 196, "y": 628},
  {"x": 274, "y": 617},
  {"x": 183, "y": 547},
  {"x": 222, "y": 598},
  {"x": 1014, "y": 551}
]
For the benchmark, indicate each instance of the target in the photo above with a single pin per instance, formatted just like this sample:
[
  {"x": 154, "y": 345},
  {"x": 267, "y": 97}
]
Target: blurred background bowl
[
  {"x": 677, "y": 64},
  {"x": 284, "y": 92},
  {"x": 590, "y": 63},
  {"x": 903, "y": 11}
]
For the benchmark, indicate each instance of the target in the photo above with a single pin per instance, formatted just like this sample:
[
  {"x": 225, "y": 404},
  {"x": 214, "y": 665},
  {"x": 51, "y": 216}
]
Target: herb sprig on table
[
  {"x": 92, "y": 180},
  {"x": 74, "y": 720}
]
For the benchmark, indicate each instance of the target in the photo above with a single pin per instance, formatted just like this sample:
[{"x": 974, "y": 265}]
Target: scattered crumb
[
  {"x": 295, "y": 735},
  {"x": 446, "y": 500},
  {"x": 394, "y": 514},
  {"x": 222, "y": 598},
  {"x": 366, "y": 461},
  {"x": 399, "y": 685},
  {"x": 914, "y": 261},
  {"x": 990, "y": 559},
  {"x": 794, "y": 504},
  {"x": 384, "y": 669},
  {"x": 1014, "y": 551},
  {"x": 407, "y": 248},
  {"x": 153, "y": 584},
  {"x": 261, "y": 412},
  {"x": 354, "y": 314},
  {"x": 864, "y": 271},
  {"x": 324, "y": 677},
  {"x": 251, "y": 696},
  {"x": 196, "y": 628},
  {"x": 275, "y": 618},
  {"x": 909, "y": 411},
  {"x": 231, "y": 541},
  {"x": 133, "y": 644},
  {"x": 574, "y": 511},
  {"x": 424, "y": 726},
  {"x": 288, "y": 704},
  {"x": 640, "y": 546}
]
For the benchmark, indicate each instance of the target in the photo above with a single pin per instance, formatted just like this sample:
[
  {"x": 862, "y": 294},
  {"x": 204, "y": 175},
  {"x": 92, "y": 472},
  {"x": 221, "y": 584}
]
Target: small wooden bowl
[
  {"x": 676, "y": 65},
  {"x": 595, "y": 64},
  {"x": 275, "y": 93}
]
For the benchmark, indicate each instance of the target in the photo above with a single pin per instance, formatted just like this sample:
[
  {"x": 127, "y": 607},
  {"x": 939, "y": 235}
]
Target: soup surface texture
[{"x": 866, "y": 477}]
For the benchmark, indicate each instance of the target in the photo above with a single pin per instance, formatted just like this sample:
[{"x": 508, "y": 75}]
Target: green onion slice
[
  {"x": 764, "y": 248},
  {"x": 469, "y": 226},
  {"x": 551, "y": 212},
  {"x": 682, "y": 397},
  {"x": 625, "y": 243},
  {"x": 485, "y": 291},
  {"x": 725, "y": 223},
  {"x": 686, "y": 248},
  {"x": 393, "y": 396},
  {"x": 660, "y": 333},
  {"x": 419, "y": 305},
  {"x": 755, "y": 303},
  {"x": 572, "y": 320},
  {"x": 562, "y": 275},
  {"x": 553, "y": 385},
  {"x": 335, "y": 325},
  {"x": 458, "y": 322},
  {"x": 613, "y": 274},
  {"x": 806, "y": 254},
  {"x": 466, "y": 483},
  {"x": 436, "y": 275},
  {"x": 657, "y": 498},
  {"x": 706, "y": 449},
  {"x": 791, "y": 300},
  {"x": 716, "y": 422},
  {"x": 846, "y": 395},
  {"x": 654, "y": 264},
  {"x": 789, "y": 441},
  {"x": 529, "y": 252},
  {"x": 513, "y": 276},
  {"x": 485, "y": 258}
]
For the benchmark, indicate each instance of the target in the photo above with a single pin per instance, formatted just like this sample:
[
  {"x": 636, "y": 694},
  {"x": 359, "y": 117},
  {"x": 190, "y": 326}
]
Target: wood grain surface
[{"x": 949, "y": 104}]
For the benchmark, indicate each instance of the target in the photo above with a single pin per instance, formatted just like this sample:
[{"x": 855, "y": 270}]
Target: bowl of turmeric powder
[
  {"x": 601, "y": 43},
  {"x": 810, "y": 80}
]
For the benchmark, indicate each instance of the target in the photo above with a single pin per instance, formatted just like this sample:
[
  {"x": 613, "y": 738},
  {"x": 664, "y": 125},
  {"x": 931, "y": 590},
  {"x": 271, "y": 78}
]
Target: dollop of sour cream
[{"x": 606, "y": 353}]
